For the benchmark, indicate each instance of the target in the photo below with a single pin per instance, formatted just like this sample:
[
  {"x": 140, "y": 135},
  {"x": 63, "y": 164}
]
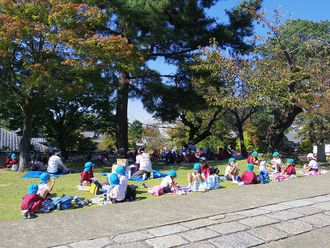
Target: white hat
[{"x": 310, "y": 155}]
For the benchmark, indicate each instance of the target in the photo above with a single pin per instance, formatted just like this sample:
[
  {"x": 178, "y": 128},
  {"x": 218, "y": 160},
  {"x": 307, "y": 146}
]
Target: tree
[
  {"x": 46, "y": 46},
  {"x": 289, "y": 70},
  {"x": 135, "y": 132},
  {"x": 165, "y": 29}
]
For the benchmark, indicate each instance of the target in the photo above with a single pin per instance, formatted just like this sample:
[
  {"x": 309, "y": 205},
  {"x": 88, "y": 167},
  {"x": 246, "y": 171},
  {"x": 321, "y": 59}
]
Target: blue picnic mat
[
  {"x": 156, "y": 174},
  {"x": 37, "y": 174}
]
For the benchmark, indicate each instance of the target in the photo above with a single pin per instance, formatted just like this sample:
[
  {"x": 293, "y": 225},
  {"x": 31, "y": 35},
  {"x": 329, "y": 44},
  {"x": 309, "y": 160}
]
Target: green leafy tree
[
  {"x": 135, "y": 132},
  {"x": 165, "y": 29},
  {"x": 46, "y": 45}
]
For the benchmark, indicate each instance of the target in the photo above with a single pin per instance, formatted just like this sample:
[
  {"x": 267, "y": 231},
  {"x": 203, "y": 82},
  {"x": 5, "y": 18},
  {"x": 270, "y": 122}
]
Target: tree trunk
[
  {"x": 240, "y": 133},
  {"x": 121, "y": 111},
  {"x": 321, "y": 152},
  {"x": 275, "y": 132},
  {"x": 61, "y": 142},
  {"x": 25, "y": 144}
]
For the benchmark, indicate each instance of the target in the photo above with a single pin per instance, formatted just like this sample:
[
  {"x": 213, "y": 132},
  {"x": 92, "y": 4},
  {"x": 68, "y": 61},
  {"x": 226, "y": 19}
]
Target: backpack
[
  {"x": 64, "y": 202},
  {"x": 96, "y": 188},
  {"x": 130, "y": 193}
]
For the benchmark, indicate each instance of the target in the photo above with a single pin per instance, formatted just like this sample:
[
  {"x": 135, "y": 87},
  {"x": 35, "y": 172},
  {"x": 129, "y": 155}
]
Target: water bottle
[
  {"x": 262, "y": 179},
  {"x": 210, "y": 182},
  {"x": 195, "y": 186}
]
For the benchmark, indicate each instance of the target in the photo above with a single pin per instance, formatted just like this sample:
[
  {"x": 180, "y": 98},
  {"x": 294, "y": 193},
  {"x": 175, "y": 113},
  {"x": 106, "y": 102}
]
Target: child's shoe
[
  {"x": 26, "y": 215},
  {"x": 143, "y": 185},
  {"x": 32, "y": 215}
]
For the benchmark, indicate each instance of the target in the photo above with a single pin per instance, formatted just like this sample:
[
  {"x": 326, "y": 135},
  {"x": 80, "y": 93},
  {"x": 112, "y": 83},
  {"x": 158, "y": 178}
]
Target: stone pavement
[{"x": 293, "y": 213}]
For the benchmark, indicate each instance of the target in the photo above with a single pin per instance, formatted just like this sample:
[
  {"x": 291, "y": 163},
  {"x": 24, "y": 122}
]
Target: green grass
[{"x": 13, "y": 187}]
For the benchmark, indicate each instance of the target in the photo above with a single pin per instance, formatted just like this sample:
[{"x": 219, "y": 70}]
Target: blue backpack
[{"x": 64, "y": 202}]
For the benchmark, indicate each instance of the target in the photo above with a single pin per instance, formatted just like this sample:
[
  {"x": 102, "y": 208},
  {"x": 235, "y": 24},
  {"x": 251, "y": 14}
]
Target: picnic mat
[
  {"x": 156, "y": 174},
  {"x": 37, "y": 174}
]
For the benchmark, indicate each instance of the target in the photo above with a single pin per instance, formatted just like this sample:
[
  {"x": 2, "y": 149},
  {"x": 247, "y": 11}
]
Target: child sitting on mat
[
  {"x": 248, "y": 176},
  {"x": 44, "y": 190},
  {"x": 168, "y": 182},
  {"x": 87, "y": 176},
  {"x": 231, "y": 173},
  {"x": 31, "y": 202},
  {"x": 117, "y": 194},
  {"x": 289, "y": 170},
  {"x": 312, "y": 165},
  {"x": 196, "y": 175},
  {"x": 123, "y": 180}
]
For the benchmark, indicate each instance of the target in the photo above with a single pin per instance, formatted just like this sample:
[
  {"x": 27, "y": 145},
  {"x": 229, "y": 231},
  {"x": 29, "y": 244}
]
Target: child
[
  {"x": 276, "y": 162},
  {"x": 289, "y": 170},
  {"x": 36, "y": 165},
  {"x": 7, "y": 160},
  {"x": 44, "y": 190},
  {"x": 87, "y": 175},
  {"x": 231, "y": 173},
  {"x": 123, "y": 180},
  {"x": 168, "y": 182},
  {"x": 117, "y": 194},
  {"x": 196, "y": 175},
  {"x": 31, "y": 202},
  {"x": 14, "y": 162},
  {"x": 248, "y": 176},
  {"x": 192, "y": 157},
  {"x": 204, "y": 167},
  {"x": 155, "y": 153},
  {"x": 253, "y": 158},
  {"x": 312, "y": 165}
]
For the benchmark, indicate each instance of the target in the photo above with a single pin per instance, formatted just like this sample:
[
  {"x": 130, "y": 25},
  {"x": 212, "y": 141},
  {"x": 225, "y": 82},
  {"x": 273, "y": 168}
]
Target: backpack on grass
[{"x": 130, "y": 193}]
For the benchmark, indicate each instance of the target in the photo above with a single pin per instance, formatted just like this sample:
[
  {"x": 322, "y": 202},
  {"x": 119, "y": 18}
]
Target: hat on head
[
  {"x": 50, "y": 143},
  {"x": 114, "y": 179},
  {"x": 172, "y": 173},
  {"x": 201, "y": 149},
  {"x": 121, "y": 170},
  {"x": 33, "y": 156},
  {"x": 197, "y": 166},
  {"x": 310, "y": 155},
  {"x": 202, "y": 160},
  {"x": 122, "y": 149},
  {"x": 290, "y": 160},
  {"x": 13, "y": 156},
  {"x": 276, "y": 154},
  {"x": 231, "y": 159},
  {"x": 33, "y": 189},
  {"x": 88, "y": 165},
  {"x": 58, "y": 152},
  {"x": 193, "y": 151},
  {"x": 250, "y": 167},
  {"x": 44, "y": 177},
  {"x": 9, "y": 155},
  {"x": 255, "y": 153}
]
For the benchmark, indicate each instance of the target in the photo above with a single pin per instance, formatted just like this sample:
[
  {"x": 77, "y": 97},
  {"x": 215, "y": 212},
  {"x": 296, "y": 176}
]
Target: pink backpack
[{"x": 156, "y": 190}]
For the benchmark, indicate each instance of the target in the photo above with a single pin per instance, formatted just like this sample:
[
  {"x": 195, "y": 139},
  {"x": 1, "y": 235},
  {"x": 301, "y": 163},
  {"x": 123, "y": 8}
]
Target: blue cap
[
  {"x": 202, "y": 160},
  {"x": 250, "y": 167},
  {"x": 231, "y": 159},
  {"x": 88, "y": 165},
  {"x": 197, "y": 166},
  {"x": 290, "y": 160},
  {"x": 9, "y": 155},
  {"x": 172, "y": 173},
  {"x": 33, "y": 189},
  {"x": 50, "y": 143},
  {"x": 114, "y": 180},
  {"x": 276, "y": 154},
  {"x": 255, "y": 153},
  {"x": 44, "y": 177},
  {"x": 121, "y": 170},
  {"x": 13, "y": 156}
]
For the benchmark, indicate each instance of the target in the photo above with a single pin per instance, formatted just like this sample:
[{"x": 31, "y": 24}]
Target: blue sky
[{"x": 315, "y": 10}]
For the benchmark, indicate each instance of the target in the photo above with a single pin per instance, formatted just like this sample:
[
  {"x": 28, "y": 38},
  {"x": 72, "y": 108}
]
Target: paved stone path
[
  {"x": 293, "y": 213},
  {"x": 269, "y": 226}
]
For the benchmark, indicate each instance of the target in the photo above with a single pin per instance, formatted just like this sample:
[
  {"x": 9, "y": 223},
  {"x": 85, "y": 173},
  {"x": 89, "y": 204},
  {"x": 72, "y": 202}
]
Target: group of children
[{"x": 202, "y": 173}]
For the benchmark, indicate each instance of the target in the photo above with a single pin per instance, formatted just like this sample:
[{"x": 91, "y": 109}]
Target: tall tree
[
  {"x": 135, "y": 132},
  {"x": 166, "y": 29},
  {"x": 45, "y": 46}
]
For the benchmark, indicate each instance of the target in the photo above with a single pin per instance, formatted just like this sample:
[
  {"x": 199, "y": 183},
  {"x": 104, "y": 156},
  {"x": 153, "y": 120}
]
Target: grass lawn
[{"x": 13, "y": 187}]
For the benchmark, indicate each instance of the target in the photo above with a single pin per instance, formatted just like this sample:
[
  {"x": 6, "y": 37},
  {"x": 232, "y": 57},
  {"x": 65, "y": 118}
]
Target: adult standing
[
  {"x": 53, "y": 163},
  {"x": 145, "y": 164}
]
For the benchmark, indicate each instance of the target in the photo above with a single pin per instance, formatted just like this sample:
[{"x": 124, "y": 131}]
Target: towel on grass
[
  {"x": 37, "y": 174},
  {"x": 83, "y": 188}
]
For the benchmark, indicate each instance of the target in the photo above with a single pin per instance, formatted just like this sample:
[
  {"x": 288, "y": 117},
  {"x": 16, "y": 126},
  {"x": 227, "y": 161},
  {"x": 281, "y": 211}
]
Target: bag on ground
[{"x": 130, "y": 193}]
